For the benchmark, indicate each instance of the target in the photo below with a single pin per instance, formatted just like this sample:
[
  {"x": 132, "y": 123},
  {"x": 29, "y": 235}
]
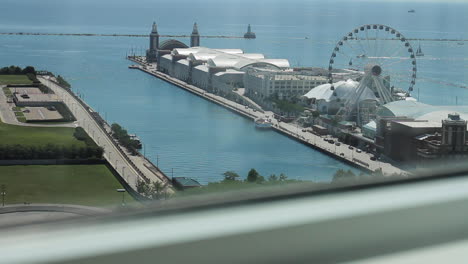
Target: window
[{"x": 108, "y": 104}]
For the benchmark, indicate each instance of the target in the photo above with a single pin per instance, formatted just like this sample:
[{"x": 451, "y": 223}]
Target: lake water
[{"x": 194, "y": 137}]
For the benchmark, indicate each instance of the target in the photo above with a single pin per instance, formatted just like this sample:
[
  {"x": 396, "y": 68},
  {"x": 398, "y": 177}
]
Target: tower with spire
[
  {"x": 151, "y": 53},
  {"x": 195, "y": 37},
  {"x": 249, "y": 34}
]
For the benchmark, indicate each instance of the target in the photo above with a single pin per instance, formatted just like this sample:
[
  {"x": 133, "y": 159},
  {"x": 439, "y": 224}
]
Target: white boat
[{"x": 263, "y": 123}]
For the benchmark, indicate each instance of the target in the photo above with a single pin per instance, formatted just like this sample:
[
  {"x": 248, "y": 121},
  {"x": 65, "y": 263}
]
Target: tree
[
  {"x": 273, "y": 178},
  {"x": 29, "y": 69},
  {"x": 230, "y": 176},
  {"x": 252, "y": 176},
  {"x": 341, "y": 175},
  {"x": 260, "y": 179},
  {"x": 283, "y": 177}
]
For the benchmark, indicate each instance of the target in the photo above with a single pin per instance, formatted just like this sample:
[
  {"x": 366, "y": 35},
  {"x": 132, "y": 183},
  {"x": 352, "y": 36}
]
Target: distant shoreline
[
  {"x": 176, "y": 36},
  {"x": 107, "y": 35}
]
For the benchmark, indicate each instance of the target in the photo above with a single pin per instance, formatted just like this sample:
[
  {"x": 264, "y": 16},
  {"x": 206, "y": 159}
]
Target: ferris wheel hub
[{"x": 373, "y": 69}]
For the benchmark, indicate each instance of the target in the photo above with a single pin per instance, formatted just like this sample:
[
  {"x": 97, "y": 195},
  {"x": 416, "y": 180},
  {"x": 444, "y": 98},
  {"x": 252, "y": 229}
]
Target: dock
[{"x": 341, "y": 152}]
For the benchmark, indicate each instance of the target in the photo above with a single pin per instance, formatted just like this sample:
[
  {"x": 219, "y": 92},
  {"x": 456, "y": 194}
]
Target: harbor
[{"x": 341, "y": 151}]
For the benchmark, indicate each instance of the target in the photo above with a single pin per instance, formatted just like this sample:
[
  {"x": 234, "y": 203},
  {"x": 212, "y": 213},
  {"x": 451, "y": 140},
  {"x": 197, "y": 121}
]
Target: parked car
[
  {"x": 373, "y": 158},
  {"x": 338, "y": 143},
  {"x": 358, "y": 150},
  {"x": 350, "y": 147}
]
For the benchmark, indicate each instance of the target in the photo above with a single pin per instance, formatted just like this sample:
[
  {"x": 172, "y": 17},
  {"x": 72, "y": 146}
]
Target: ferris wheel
[{"x": 379, "y": 50}]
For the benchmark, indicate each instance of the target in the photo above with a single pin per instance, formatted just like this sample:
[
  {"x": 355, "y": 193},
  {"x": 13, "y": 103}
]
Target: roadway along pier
[
  {"x": 130, "y": 168},
  {"x": 342, "y": 152}
]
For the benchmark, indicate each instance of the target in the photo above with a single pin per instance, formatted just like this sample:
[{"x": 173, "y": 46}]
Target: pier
[{"x": 342, "y": 152}]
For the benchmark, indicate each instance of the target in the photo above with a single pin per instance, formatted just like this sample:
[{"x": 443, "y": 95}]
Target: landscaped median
[
  {"x": 37, "y": 136},
  {"x": 92, "y": 185}
]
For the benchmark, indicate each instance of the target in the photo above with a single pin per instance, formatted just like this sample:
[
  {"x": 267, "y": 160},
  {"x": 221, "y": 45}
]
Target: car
[
  {"x": 358, "y": 150},
  {"x": 338, "y": 144},
  {"x": 303, "y": 130},
  {"x": 331, "y": 141},
  {"x": 350, "y": 147},
  {"x": 373, "y": 158},
  {"x": 342, "y": 154}
]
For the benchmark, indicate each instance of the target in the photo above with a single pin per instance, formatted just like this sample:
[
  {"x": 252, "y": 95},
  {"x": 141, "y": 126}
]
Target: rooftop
[{"x": 420, "y": 124}]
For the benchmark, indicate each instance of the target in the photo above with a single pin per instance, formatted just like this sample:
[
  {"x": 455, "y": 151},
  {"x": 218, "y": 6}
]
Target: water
[{"x": 194, "y": 137}]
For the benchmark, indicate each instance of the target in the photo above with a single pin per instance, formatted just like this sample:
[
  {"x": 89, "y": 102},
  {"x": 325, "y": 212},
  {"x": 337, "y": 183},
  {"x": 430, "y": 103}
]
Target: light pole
[
  {"x": 123, "y": 195},
  {"x": 3, "y": 194}
]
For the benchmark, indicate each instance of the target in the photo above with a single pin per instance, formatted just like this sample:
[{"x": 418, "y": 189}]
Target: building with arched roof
[
  {"x": 157, "y": 50},
  {"x": 328, "y": 101},
  {"x": 170, "y": 44}
]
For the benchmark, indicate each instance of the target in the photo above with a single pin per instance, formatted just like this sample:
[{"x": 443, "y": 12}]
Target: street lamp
[
  {"x": 3, "y": 193},
  {"x": 123, "y": 195}
]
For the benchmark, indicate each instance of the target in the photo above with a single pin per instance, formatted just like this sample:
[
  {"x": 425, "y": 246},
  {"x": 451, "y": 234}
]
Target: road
[{"x": 112, "y": 154}]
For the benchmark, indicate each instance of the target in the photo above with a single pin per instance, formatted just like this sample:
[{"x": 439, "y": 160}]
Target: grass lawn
[
  {"x": 16, "y": 109},
  {"x": 19, "y": 114},
  {"x": 14, "y": 79},
  {"x": 92, "y": 185},
  {"x": 7, "y": 91},
  {"x": 21, "y": 119},
  {"x": 11, "y": 134}
]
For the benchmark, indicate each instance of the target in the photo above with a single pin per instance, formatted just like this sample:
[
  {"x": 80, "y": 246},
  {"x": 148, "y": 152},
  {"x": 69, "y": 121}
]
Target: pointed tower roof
[
  {"x": 155, "y": 28},
  {"x": 195, "y": 29},
  {"x": 249, "y": 29}
]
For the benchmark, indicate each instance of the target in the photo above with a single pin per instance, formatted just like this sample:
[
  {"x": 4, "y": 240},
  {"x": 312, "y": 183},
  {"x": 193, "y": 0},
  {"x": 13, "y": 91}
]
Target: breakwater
[{"x": 110, "y": 35}]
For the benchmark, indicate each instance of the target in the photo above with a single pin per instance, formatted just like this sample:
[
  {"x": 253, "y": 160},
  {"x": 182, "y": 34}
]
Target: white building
[
  {"x": 263, "y": 83},
  {"x": 328, "y": 101},
  {"x": 210, "y": 68}
]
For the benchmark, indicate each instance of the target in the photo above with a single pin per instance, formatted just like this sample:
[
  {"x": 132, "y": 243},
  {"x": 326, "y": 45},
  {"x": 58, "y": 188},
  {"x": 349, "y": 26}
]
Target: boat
[
  {"x": 419, "y": 52},
  {"x": 460, "y": 43},
  {"x": 263, "y": 123},
  {"x": 411, "y": 11}
]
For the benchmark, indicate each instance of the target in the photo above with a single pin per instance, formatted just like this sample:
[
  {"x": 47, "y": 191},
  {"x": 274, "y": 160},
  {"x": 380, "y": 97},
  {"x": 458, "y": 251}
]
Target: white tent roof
[{"x": 342, "y": 90}]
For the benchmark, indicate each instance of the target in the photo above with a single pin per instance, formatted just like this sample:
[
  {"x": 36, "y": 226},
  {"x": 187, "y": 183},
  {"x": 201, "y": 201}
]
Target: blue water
[{"x": 194, "y": 137}]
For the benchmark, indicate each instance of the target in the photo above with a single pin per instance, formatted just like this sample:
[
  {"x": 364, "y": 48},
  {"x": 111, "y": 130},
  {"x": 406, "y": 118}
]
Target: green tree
[
  {"x": 29, "y": 69},
  {"x": 260, "y": 179},
  {"x": 252, "y": 176},
  {"x": 273, "y": 178},
  {"x": 230, "y": 176},
  {"x": 283, "y": 177}
]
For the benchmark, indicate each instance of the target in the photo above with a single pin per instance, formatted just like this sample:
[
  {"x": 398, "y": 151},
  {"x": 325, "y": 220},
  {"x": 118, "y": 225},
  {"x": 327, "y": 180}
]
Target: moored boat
[{"x": 263, "y": 123}]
